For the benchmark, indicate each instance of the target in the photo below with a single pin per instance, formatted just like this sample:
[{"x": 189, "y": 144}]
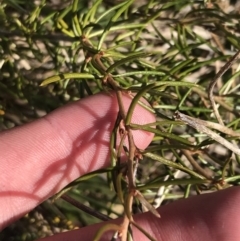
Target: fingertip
[
  {"x": 208, "y": 217},
  {"x": 47, "y": 154}
]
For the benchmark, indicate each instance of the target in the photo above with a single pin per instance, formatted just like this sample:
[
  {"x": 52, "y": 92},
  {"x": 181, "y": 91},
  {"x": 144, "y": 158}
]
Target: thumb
[
  {"x": 208, "y": 217},
  {"x": 42, "y": 157}
]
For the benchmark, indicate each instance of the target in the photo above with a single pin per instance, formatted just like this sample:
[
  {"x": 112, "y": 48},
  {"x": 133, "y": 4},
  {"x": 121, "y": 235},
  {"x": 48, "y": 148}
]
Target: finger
[
  {"x": 40, "y": 158},
  {"x": 208, "y": 217}
]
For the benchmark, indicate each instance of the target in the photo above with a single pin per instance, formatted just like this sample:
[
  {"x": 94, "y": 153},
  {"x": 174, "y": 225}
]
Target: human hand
[{"x": 42, "y": 157}]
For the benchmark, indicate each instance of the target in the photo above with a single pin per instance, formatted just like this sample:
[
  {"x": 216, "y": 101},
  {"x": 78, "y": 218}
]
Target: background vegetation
[{"x": 47, "y": 60}]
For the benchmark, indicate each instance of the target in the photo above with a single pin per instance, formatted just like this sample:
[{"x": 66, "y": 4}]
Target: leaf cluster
[{"x": 165, "y": 51}]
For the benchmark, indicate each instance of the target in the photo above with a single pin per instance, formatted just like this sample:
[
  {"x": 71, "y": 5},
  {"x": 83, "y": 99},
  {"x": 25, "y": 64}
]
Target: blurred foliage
[{"x": 177, "y": 45}]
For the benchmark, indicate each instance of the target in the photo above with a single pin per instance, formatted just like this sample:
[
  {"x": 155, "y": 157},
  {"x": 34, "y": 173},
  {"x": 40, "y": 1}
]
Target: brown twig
[
  {"x": 214, "y": 81},
  {"x": 195, "y": 165},
  {"x": 125, "y": 132},
  {"x": 96, "y": 60},
  {"x": 84, "y": 208}
]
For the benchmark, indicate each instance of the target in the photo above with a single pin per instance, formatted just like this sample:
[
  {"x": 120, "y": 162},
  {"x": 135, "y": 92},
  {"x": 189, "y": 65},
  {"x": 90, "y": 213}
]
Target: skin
[{"x": 40, "y": 158}]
